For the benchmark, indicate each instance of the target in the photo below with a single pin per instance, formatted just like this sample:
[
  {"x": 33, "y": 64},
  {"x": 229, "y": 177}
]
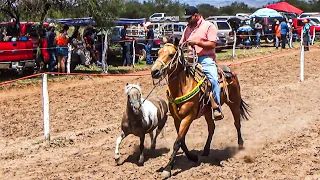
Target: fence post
[
  {"x": 133, "y": 53},
  {"x": 313, "y": 36},
  {"x": 301, "y": 58},
  {"x": 234, "y": 44},
  {"x": 69, "y": 58},
  {"x": 45, "y": 104},
  {"x": 104, "y": 54}
]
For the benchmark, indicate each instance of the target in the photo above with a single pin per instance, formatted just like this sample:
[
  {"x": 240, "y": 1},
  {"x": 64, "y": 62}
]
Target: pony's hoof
[
  {"x": 166, "y": 174},
  {"x": 117, "y": 159}
]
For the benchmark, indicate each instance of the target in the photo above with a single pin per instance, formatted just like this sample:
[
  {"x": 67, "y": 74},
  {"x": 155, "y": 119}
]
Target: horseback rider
[{"x": 202, "y": 35}]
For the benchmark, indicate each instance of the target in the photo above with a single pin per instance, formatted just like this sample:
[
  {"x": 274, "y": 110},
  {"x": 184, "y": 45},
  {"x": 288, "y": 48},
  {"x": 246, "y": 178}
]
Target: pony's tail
[{"x": 244, "y": 110}]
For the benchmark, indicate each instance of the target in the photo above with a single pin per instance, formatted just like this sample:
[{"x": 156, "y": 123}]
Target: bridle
[
  {"x": 137, "y": 100},
  {"x": 172, "y": 62},
  {"x": 178, "y": 54}
]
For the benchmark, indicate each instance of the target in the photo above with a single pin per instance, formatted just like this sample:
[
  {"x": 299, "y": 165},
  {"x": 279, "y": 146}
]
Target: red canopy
[{"x": 285, "y": 7}]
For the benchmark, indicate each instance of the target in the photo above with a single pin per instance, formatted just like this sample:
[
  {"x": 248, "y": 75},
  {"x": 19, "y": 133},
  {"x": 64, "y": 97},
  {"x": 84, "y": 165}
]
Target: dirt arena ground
[{"x": 282, "y": 137}]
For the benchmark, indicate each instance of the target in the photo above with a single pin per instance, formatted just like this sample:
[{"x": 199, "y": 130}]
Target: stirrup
[{"x": 217, "y": 114}]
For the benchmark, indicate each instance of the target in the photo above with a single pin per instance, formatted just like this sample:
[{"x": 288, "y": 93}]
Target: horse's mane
[{"x": 130, "y": 86}]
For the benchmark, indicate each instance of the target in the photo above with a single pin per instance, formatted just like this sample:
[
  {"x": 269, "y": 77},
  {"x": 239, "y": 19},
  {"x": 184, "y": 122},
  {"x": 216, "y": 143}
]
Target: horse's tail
[{"x": 244, "y": 110}]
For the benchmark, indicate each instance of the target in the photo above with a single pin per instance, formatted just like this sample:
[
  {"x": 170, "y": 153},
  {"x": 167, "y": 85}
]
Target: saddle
[{"x": 226, "y": 77}]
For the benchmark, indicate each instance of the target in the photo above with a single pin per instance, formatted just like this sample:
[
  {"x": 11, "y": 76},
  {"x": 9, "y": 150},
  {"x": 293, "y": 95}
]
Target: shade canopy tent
[
  {"x": 265, "y": 12},
  {"x": 123, "y": 21},
  {"x": 284, "y": 7},
  {"x": 73, "y": 21}
]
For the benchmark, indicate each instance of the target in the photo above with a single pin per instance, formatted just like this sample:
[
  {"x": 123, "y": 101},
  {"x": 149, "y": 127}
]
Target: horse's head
[
  {"x": 134, "y": 94},
  {"x": 167, "y": 56}
]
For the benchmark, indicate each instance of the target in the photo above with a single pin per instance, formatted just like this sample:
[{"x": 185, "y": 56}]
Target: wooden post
[
  {"x": 104, "y": 54},
  {"x": 69, "y": 58},
  {"x": 302, "y": 58},
  {"x": 234, "y": 44},
  {"x": 133, "y": 53},
  {"x": 45, "y": 104}
]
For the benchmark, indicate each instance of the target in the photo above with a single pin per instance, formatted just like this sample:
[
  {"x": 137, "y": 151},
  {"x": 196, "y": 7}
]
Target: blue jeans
[
  {"x": 148, "y": 53},
  {"x": 210, "y": 70},
  {"x": 258, "y": 36},
  {"x": 126, "y": 54},
  {"x": 52, "y": 60},
  {"x": 277, "y": 42}
]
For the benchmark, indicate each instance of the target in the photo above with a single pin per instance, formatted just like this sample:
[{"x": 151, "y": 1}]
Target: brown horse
[{"x": 188, "y": 102}]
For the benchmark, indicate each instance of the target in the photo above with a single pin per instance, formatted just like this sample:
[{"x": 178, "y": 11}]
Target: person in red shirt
[{"x": 202, "y": 35}]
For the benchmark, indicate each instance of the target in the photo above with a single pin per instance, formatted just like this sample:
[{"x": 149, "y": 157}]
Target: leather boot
[{"x": 216, "y": 109}]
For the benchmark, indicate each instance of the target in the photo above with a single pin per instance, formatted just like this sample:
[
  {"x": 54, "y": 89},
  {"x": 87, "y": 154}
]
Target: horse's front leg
[
  {"x": 118, "y": 141},
  {"x": 182, "y": 128},
  {"x": 141, "y": 157},
  {"x": 211, "y": 128}
]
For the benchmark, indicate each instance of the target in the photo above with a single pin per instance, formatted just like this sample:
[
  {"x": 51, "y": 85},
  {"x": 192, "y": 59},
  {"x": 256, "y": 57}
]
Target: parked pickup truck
[
  {"x": 162, "y": 17},
  {"x": 20, "y": 55},
  {"x": 17, "y": 56},
  {"x": 298, "y": 26}
]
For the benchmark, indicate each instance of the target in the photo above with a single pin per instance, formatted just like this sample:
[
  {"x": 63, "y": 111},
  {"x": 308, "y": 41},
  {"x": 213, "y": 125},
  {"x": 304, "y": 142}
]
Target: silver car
[{"x": 224, "y": 29}]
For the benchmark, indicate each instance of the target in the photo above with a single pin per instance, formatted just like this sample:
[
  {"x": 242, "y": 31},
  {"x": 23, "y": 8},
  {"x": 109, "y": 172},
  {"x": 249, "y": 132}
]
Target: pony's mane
[{"x": 130, "y": 86}]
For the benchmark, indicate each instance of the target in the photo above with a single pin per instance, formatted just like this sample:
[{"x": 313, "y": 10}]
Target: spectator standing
[
  {"x": 284, "y": 29},
  {"x": 277, "y": 34},
  {"x": 126, "y": 46},
  {"x": 50, "y": 36},
  {"x": 258, "y": 28},
  {"x": 290, "y": 34},
  {"x": 274, "y": 24},
  {"x": 3, "y": 34},
  {"x": 13, "y": 28},
  {"x": 79, "y": 48},
  {"x": 62, "y": 50},
  {"x": 89, "y": 38},
  {"x": 149, "y": 45},
  {"x": 306, "y": 34}
]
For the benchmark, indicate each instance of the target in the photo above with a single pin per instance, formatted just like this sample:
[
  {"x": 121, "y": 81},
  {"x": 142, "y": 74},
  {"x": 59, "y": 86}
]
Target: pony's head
[
  {"x": 134, "y": 94},
  {"x": 167, "y": 56}
]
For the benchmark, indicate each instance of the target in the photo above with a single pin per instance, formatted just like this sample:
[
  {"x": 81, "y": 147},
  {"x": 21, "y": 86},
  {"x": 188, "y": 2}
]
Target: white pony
[{"x": 141, "y": 116}]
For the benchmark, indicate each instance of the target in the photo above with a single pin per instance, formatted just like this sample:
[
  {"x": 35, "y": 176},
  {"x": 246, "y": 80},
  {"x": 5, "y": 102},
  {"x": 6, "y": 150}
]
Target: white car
[
  {"x": 308, "y": 14},
  {"x": 161, "y": 17},
  {"x": 315, "y": 19}
]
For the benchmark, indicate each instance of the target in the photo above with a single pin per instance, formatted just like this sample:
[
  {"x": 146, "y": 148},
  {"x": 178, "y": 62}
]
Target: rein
[{"x": 174, "y": 62}]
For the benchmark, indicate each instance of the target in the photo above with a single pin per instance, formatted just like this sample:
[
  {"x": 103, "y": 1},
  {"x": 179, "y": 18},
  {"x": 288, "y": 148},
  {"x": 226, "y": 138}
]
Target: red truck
[
  {"x": 17, "y": 56},
  {"x": 20, "y": 55},
  {"x": 298, "y": 26}
]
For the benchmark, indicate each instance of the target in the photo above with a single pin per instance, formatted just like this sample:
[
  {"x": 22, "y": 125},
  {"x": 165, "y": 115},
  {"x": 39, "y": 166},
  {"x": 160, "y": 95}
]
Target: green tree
[{"x": 207, "y": 10}]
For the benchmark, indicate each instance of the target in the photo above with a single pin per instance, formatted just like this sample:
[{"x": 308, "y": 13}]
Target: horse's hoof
[
  {"x": 153, "y": 146},
  {"x": 205, "y": 153},
  {"x": 193, "y": 158},
  {"x": 166, "y": 174},
  {"x": 222, "y": 163},
  {"x": 241, "y": 147},
  {"x": 140, "y": 163}
]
